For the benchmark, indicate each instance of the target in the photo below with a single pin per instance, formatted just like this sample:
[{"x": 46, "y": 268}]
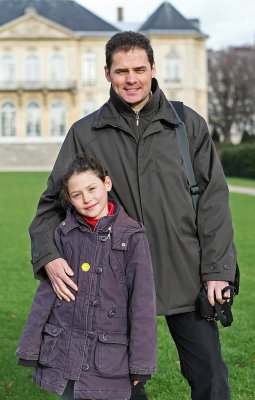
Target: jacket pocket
[
  {"x": 117, "y": 265},
  {"x": 111, "y": 356},
  {"x": 50, "y": 336}
]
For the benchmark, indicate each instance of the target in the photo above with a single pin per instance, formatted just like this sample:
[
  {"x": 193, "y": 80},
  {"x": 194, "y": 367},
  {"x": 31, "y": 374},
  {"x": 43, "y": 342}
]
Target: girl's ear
[{"x": 108, "y": 183}]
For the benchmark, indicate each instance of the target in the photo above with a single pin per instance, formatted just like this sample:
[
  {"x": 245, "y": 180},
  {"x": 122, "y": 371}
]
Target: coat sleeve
[
  {"x": 49, "y": 212},
  {"x": 142, "y": 307},
  {"x": 30, "y": 342},
  {"x": 215, "y": 231}
]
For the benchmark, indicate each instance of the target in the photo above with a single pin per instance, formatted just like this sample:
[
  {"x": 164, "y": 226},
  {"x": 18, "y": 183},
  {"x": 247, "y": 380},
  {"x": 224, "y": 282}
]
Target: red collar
[{"x": 93, "y": 221}]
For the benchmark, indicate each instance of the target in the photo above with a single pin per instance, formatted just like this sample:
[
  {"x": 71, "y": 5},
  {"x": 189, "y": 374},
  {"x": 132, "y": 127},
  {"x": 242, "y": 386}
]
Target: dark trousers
[{"x": 198, "y": 345}]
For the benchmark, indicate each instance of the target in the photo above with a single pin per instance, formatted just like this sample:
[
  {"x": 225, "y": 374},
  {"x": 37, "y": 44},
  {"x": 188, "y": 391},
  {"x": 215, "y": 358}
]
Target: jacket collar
[
  {"x": 110, "y": 113},
  {"x": 119, "y": 225}
]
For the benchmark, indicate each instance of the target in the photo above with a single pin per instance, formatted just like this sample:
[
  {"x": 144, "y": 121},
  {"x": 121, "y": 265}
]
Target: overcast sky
[{"x": 227, "y": 22}]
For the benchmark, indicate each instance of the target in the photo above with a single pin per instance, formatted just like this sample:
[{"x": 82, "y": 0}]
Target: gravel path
[{"x": 241, "y": 189}]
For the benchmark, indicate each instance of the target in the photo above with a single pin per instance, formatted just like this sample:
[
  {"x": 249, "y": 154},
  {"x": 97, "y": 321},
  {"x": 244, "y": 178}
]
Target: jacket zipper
[{"x": 137, "y": 116}]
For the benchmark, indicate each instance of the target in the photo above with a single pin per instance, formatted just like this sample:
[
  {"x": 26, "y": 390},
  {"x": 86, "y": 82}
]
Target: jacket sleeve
[
  {"x": 215, "y": 231},
  {"x": 142, "y": 307},
  {"x": 49, "y": 212},
  {"x": 30, "y": 342}
]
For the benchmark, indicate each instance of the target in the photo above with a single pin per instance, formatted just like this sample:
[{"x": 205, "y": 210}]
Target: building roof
[
  {"x": 67, "y": 13},
  {"x": 166, "y": 18}
]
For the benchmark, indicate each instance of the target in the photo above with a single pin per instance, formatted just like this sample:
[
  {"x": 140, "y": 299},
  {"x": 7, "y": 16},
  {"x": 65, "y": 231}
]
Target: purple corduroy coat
[{"x": 109, "y": 331}]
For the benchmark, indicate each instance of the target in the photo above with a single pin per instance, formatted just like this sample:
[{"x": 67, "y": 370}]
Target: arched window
[
  {"x": 8, "y": 68},
  {"x": 58, "y": 68},
  {"x": 57, "y": 119},
  {"x": 89, "y": 107},
  {"x": 33, "y": 120},
  {"x": 7, "y": 119},
  {"x": 172, "y": 67},
  {"x": 89, "y": 66},
  {"x": 32, "y": 68}
]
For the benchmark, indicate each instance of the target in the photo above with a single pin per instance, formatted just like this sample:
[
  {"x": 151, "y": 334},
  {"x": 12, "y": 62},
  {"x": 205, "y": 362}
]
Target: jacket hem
[{"x": 175, "y": 311}]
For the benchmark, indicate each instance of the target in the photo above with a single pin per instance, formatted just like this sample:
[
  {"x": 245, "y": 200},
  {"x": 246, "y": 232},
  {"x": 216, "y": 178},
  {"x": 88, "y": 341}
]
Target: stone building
[{"x": 51, "y": 71}]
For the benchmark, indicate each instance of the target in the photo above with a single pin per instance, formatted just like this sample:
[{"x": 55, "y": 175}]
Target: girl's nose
[{"x": 86, "y": 198}]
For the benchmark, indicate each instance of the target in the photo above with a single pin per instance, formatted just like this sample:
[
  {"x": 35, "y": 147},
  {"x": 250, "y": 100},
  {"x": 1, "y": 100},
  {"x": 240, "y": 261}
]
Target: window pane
[
  {"x": 89, "y": 107},
  {"x": 58, "y": 68},
  {"x": 57, "y": 119},
  {"x": 8, "y": 66},
  {"x": 89, "y": 68},
  {"x": 172, "y": 67},
  {"x": 32, "y": 68},
  {"x": 33, "y": 120},
  {"x": 8, "y": 119}
]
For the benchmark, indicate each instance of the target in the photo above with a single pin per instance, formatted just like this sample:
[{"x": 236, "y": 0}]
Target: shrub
[
  {"x": 215, "y": 136},
  {"x": 239, "y": 161},
  {"x": 247, "y": 137}
]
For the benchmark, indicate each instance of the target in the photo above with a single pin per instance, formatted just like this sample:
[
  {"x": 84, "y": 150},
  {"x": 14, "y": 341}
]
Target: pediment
[{"x": 34, "y": 26}]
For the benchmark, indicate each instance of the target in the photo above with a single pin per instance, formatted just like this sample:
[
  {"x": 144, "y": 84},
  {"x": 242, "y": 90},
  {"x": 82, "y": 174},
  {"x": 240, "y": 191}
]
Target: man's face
[{"x": 130, "y": 75}]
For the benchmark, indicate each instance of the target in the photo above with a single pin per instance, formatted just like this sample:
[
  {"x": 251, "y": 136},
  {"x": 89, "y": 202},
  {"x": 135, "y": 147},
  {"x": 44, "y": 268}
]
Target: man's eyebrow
[{"x": 127, "y": 69}]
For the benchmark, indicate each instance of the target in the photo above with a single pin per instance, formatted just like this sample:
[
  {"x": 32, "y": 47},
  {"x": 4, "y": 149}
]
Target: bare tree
[{"x": 232, "y": 90}]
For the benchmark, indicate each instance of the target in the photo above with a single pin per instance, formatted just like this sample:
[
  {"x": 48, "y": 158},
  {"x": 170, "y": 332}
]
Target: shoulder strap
[{"x": 178, "y": 109}]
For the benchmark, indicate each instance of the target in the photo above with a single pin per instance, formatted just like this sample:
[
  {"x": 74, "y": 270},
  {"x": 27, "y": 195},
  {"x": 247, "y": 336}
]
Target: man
[{"x": 134, "y": 137}]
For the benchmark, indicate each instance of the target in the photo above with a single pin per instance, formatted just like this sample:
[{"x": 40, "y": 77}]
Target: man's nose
[{"x": 131, "y": 77}]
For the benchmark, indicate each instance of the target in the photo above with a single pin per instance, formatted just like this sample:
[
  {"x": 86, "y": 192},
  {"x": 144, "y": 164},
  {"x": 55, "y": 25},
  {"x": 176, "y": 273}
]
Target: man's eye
[{"x": 91, "y": 189}]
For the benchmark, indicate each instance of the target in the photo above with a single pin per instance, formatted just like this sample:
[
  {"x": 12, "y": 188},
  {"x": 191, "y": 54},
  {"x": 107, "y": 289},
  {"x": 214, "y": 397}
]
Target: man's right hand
[{"x": 58, "y": 272}]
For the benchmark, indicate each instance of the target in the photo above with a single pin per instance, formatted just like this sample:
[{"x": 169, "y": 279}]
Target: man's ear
[
  {"x": 153, "y": 70},
  {"x": 107, "y": 73},
  {"x": 108, "y": 183}
]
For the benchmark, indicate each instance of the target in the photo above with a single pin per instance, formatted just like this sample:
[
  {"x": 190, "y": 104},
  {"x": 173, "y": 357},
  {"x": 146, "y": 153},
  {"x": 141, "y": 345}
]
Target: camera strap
[{"x": 223, "y": 311}]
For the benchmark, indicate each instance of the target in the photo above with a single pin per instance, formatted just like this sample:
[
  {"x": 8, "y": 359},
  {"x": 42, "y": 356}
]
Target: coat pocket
[
  {"x": 50, "y": 336},
  {"x": 111, "y": 356},
  {"x": 117, "y": 265}
]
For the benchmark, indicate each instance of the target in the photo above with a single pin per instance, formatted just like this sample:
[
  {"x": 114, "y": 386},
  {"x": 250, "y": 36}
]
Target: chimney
[
  {"x": 120, "y": 14},
  {"x": 195, "y": 22}
]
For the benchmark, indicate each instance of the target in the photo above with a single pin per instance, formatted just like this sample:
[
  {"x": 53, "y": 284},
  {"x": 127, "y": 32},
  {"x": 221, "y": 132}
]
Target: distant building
[{"x": 51, "y": 71}]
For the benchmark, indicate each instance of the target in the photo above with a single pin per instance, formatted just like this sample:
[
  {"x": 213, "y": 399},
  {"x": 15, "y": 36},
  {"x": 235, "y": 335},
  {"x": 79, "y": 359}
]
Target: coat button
[
  {"x": 104, "y": 337},
  {"x": 99, "y": 270},
  {"x": 226, "y": 266},
  {"x": 85, "y": 367},
  {"x": 63, "y": 223},
  {"x": 111, "y": 313},
  {"x": 96, "y": 303},
  {"x": 213, "y": 266},
  {"x": 123, "y": 244},
  {"x": 91, "y": 335}
]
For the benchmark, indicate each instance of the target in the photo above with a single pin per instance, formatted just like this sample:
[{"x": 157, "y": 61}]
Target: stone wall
[{"x": 28, "y": 156}]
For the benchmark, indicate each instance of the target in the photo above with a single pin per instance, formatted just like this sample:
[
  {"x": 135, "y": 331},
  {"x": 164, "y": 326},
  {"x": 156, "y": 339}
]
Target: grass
[{"x": 18, "y": 198}]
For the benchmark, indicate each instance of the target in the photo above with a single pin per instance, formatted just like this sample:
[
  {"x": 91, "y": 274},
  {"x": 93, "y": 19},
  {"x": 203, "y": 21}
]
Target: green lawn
[{"x": 18, "y": 198}]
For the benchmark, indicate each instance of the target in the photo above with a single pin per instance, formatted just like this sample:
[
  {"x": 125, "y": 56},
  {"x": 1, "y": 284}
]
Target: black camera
[{"x": 218, "y": 312}]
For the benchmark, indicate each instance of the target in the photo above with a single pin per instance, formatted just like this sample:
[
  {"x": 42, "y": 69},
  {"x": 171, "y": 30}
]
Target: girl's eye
[{"x": 77, "y": 195}]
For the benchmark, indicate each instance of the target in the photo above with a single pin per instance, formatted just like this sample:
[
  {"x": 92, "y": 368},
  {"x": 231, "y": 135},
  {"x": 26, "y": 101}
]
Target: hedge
[{"x": 239, "y": 161}]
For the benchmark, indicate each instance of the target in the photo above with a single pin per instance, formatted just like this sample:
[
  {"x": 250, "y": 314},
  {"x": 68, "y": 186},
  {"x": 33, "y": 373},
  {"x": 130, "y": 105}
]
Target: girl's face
[{"x": 88, "y": 194}]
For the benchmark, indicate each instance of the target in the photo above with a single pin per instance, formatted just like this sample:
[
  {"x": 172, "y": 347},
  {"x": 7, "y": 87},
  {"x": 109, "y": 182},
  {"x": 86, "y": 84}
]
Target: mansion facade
[{"x": 52, "y": 57}]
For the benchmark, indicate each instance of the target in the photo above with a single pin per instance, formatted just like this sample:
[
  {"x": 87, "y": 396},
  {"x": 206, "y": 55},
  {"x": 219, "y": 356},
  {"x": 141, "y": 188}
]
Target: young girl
[{"x": 99, "y": 345}]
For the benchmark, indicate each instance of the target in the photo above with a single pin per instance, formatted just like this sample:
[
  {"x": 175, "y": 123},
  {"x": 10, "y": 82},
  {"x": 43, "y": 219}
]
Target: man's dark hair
[{"x": 125, "y": 41}]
